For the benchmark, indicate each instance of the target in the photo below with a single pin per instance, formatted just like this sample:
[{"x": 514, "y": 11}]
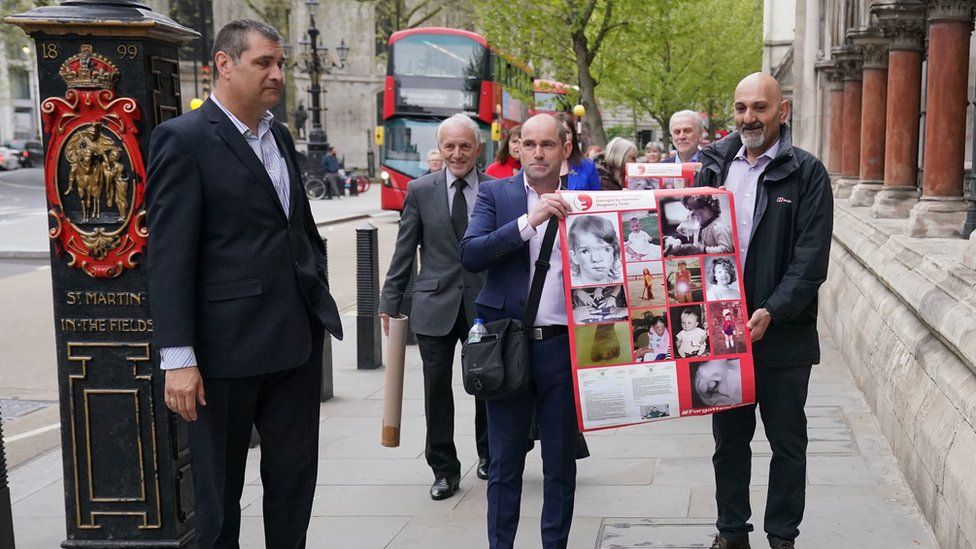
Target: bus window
[
  {"x": 407, "y": 142},
  {"x": 438, "y": 55}
]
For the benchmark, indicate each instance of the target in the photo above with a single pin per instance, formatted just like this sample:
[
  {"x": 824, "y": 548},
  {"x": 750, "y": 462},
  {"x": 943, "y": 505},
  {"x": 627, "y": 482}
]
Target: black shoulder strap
[{"x": 541, "y": 268}]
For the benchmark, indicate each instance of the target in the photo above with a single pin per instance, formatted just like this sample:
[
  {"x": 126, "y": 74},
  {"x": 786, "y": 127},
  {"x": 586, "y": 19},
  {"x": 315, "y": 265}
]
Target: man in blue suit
[{"x": 504, "y": 238}]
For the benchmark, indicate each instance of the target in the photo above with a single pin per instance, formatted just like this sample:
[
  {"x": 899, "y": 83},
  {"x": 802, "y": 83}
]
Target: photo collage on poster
[{"x": 656, "y": 310}]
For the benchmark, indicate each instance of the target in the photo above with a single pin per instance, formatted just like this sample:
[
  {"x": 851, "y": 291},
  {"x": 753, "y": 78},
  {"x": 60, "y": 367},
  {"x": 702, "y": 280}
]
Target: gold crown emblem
[{"x": 87, "y": 69}]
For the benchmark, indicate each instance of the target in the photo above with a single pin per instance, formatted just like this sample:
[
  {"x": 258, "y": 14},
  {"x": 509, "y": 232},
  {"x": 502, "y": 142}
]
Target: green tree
[
  {"x": 569, "y": 39},
  {"x": 690, "y": 56}
]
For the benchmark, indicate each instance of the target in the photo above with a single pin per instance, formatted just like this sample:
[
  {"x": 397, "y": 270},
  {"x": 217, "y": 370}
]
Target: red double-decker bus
[{"x": 433, "y": 73}]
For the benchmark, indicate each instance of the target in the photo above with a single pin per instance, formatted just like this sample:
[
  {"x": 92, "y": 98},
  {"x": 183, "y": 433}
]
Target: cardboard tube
[{"x": 396, "y": 347}]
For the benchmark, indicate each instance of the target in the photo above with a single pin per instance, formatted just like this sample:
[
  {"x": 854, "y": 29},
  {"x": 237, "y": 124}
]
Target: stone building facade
[{"x": 883, "y": 92}]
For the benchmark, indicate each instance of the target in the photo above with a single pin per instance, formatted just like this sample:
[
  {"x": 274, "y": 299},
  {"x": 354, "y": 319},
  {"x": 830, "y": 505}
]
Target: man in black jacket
[
  {"x": 240, "y": 306},
  {"x": 784, "y": 213}
]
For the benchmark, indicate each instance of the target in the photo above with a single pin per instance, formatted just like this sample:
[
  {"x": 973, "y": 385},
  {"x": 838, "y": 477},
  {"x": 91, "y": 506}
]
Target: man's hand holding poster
[{"x": 656, "y": 307}]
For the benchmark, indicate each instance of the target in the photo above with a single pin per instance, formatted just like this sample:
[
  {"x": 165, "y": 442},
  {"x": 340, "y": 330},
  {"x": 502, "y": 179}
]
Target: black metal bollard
[
  {"x": 6, "y": 518},
  {"x": 368, "y": 342},
  {"x": 328, "y": 389}
]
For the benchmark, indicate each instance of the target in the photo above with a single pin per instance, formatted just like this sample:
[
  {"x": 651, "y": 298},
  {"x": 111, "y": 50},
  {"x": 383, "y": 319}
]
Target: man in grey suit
[{"x": 435, "y": 216}]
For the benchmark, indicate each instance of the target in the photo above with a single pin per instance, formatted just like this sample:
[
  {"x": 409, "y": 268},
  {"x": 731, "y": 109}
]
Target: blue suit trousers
[{"x": 551, "y": 394}]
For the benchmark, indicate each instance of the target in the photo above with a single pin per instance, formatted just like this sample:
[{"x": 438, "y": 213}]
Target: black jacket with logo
[{"x": 789, "y": 247}]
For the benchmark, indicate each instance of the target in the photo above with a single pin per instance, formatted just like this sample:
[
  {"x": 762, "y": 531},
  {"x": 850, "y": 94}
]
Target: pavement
[{"x": 643, "y": 486}]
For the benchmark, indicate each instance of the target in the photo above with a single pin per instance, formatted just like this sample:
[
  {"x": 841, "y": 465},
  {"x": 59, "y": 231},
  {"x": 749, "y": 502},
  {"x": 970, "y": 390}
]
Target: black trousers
[
  {"x": 284, "y": 407},
  {"x": 781, "y": 394},
  {"x": 437, "y": 353}
]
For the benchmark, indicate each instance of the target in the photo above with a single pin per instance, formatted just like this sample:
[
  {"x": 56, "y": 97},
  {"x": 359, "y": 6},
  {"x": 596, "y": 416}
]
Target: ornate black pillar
[{"x": 108, "y": 75}]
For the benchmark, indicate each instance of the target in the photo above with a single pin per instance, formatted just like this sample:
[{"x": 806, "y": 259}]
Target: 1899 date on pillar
[{"x": 95, "y": 176}]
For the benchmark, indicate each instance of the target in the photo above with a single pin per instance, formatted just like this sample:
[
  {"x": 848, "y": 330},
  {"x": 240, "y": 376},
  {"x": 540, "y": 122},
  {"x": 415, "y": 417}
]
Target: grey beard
[{"x": 752, "y": 140}]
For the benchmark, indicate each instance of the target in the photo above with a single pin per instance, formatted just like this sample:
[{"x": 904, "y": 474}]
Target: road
[{"x": 23, "y": 225}]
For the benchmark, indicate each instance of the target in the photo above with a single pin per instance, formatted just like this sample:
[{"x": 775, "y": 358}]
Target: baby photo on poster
[
  {"x": 726, "y": 327},
  {"x": 645, "y": 284},
  {"x": 696, "y": 224},
  {"x": 599, "y": 304},
  {"x": 594, "y": 249},
  {"x": 602, "y": 344},
  {"x": 652, "y": 340},
  {"x": 684, "y": 280},
  {"x": 721, "y": 281},
  {"x": 715, "y": 383},
  {"x": 692, "y": 339},
  {"x": 643, "y": 238}
]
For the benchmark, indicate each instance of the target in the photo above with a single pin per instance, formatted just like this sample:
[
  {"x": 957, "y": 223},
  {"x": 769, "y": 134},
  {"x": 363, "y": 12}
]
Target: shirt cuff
[
  {"x": 174, "y": 358},
  {"x": 526, "y": 231}
]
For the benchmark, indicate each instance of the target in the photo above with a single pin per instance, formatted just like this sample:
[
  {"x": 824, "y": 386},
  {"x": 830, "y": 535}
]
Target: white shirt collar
[{"x": 263, "y": 125}]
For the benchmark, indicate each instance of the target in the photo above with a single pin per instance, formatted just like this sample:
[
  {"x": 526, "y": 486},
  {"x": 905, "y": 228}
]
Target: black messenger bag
[{"x": 498, "y": 366}]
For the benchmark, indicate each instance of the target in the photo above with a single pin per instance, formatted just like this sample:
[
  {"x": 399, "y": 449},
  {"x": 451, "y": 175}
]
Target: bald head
[
  {"x": 759, "y": 110},
  {"x": 760, "y": 82}
]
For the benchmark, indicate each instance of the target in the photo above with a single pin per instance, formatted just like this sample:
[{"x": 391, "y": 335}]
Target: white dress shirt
[
  {"x": 470, "y": 192},
  {"x": 552, "y": 303}
]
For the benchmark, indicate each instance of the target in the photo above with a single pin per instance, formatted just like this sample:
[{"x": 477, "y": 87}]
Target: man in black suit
[
  {"x": 435, "y": 216},
  {"x": 239, "y": 300}
]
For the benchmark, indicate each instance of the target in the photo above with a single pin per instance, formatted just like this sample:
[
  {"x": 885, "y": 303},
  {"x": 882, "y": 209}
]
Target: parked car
[
  {"x": 30, "y": 152},
  {"x": 9, "y": 159}
]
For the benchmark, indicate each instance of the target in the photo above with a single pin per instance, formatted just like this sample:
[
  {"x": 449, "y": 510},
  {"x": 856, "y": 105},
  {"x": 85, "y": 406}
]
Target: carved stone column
[
  {"x": 873, "y": 47},
  {"x": 942, "y": 212},
  {"x": 835, "y": 112},
  {"x": 849, "y": 63},
  {"x": 903, "y": 22}
]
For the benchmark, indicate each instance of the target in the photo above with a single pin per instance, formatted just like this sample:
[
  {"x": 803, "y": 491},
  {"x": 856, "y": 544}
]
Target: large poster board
[{"x": 655, "y": 304}]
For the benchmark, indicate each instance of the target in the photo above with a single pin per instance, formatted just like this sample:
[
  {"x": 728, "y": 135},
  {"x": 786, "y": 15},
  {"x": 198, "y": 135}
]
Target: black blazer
[{"x": 229, "y": 273}]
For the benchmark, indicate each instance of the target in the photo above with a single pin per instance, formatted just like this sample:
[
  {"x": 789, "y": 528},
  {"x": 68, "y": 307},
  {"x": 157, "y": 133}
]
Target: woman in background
[
  {"x": 507, "y": 160},
  {"x": 578, "y": 173},
  {"x": 612, "y": 166}
]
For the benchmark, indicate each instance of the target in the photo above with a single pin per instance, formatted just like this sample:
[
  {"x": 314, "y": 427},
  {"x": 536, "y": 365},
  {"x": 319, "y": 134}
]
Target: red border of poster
[{"x": 613, "y": 383}]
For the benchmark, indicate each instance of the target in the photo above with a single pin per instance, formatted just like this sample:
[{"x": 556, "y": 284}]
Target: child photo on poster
[
  {"x": 594, "y": 250},
  {"x": 726, "y": 327},
  {"x": 599, "y": 304},
  {"x": 715, "y": 383},
  {"x": 721, "y": 280},
  {"x": 643, "y": 239},
  {"x": 652, "y": 341},
  {"x": 692, "y": 340},
  {"x": 645, "y": 284},
  {"x": 696, "y": 224},
  {"x": 684, "y": 280}
]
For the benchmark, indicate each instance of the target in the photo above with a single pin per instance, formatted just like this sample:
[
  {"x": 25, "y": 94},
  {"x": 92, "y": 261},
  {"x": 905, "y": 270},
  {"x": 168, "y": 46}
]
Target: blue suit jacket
[{"x": 492, "y": 243}]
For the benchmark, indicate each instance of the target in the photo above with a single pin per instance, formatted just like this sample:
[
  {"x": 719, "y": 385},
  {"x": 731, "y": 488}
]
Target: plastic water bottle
[{"x": 477, "y": 331}]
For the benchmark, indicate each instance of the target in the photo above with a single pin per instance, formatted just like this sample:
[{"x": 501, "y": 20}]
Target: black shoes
[
  {"x": 781, "y": 544},
  {"x": 722, "y": 543},
  {"x": 444, "y": 487},
  {"x": 482, "y": 470}
]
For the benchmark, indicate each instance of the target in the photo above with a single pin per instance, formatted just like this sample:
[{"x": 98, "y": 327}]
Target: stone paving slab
[{"x": 643, "y": 486}]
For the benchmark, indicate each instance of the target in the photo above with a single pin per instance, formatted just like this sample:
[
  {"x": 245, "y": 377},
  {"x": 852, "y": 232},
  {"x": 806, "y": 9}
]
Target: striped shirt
[{"x": 264, "y": 146}]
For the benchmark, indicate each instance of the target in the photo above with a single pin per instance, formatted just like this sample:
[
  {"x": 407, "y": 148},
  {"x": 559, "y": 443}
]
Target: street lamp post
[{"x": 314, "y": 61}]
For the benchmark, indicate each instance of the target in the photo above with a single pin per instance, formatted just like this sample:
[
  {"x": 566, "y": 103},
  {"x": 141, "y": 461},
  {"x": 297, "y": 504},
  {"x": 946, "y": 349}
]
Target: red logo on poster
[
  {"x": 94, "y": 172},
  {"x": 641, "y": 169},
  {"x": 584, "y": 202}
]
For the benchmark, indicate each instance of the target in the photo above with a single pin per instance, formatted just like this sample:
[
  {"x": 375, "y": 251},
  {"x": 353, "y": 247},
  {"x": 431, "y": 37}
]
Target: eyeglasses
[{"x": 546, "y": 146}]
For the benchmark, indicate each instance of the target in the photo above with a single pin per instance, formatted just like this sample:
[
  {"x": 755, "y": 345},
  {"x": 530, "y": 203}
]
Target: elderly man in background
[
  {"x": 686, "y": 129},
  {"x": 435, "y": 216}
]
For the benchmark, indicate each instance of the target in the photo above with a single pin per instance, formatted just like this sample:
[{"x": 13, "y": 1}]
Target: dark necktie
[{"x": 459, "y": 208}]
